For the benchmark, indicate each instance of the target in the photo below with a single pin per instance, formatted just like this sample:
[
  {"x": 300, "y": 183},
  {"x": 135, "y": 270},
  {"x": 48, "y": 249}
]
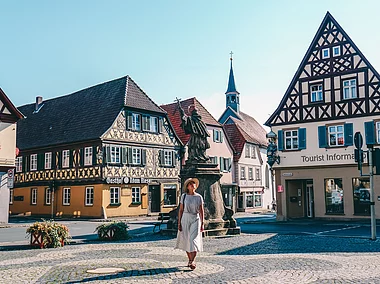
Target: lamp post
[{"x": 272, "y": 158}]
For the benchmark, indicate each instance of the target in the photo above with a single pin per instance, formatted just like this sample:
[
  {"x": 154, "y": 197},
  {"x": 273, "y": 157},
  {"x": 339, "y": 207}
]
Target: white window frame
[
  {"x": 48, "y": 161},
  {"x": 242, "y": 172},
  {"x": 115, "y": 152},
  {"x": 349, "y": 88},
  {"x": 11, "y": 193},
  {"x": 258, "y": 173},
  {"x": 323, "y": 53},
  {"x": 136, "y": 156},
  {"x": 250, "y": 173},
  {"x": 316, "y": 95},
  {"x": 47, "y": 196},
  {"x": 18, "y": 164},
  {"x": 136, "y": 194},
  {"x": 88, "y": 156},
  {"x": 377, "y": 125},
  {"x": 218, "y": 136},
  {"x": 292, "y": 136},
  {"x": 115, "y": 195},
  {"x": 136, "y": 125},
  {"x": 154, "y": 124},
  {"x": 33, "y": 197},
  {"x": 66, "y": 196},
  {"x": 89, "y": 197},
  {"x": 33, "y": 162},
  {"x": 226, "y": 165},
  {"x": 168, "y": 158},
  {"x": 333, "y": 130},
  {"x": 65, "y": 158},
  {"x": 336, "y": 48}
]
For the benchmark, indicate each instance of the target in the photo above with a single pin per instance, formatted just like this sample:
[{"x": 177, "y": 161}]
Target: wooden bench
[{"x": 164, "y": 218}]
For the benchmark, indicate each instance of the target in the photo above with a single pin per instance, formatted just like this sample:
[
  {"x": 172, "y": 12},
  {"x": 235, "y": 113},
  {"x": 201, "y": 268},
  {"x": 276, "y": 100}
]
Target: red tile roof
[{"x": 175, "y": 118}]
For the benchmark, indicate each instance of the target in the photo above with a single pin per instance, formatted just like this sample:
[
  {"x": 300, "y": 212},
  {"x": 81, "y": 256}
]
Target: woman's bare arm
[{"x": 180, "y": 212}]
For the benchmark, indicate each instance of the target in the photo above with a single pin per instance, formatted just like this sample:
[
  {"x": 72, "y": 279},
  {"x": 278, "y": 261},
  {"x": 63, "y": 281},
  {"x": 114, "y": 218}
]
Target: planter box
[{"x": 36, "y": 241}]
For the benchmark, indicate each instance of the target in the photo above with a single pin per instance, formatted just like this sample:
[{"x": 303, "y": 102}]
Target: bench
[{"x": 164, "y": 218}]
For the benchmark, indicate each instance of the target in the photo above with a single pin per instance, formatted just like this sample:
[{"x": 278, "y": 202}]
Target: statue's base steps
[{"x": 207, "y": 233}]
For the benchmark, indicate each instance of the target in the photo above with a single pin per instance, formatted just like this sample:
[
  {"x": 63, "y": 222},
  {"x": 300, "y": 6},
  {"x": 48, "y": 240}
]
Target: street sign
[
  {"x": 358, "y": 140},
  {"x": 10, "y": 178}
]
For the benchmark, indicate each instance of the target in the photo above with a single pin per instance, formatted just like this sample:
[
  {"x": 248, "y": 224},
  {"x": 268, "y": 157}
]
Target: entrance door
[
  {"x": 154, "y": 198},
  {"x": 309, "y": 199},
  {"x": 295, "y": 200}
]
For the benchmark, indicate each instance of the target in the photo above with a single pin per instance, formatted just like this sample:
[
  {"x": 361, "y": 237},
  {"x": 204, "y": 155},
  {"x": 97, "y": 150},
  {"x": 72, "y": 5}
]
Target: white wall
[
  {"x": 4, "y": 198},
  {"x": 7, "y": 144}
]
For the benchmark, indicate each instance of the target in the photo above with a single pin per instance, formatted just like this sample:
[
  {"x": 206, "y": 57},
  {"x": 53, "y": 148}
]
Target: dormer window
[
  {"x": 136, "y": 121},
  {"x": 325, "y": 53},
  {"x": 316, "y": 93},
  {"x": 336, "y": 50}
]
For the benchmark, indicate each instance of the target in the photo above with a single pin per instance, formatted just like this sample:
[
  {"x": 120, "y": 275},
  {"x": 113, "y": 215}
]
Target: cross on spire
[{"x": 231, "y": 53}]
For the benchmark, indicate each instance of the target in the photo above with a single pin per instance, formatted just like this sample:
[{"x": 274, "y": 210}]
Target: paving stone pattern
[{"x": 260, "y": 258}]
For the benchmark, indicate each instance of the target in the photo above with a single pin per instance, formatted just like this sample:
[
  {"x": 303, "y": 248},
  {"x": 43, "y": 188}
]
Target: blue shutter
[
  {"x": 280, "y": 140},
  {"x": 322, "y": 136},
  {"x": 348, "y": 134},
  {"x": 302, "y": 138},
  {"x": 369, "y": 127},
  {"x": 213, "y": 135}
]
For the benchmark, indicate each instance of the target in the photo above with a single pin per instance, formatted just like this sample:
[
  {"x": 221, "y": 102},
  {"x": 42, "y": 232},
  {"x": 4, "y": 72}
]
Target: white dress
[{"x": 190, "y": 238}]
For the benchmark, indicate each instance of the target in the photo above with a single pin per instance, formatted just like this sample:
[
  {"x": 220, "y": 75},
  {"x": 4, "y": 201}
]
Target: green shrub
[{"x": 113, "y": 231}]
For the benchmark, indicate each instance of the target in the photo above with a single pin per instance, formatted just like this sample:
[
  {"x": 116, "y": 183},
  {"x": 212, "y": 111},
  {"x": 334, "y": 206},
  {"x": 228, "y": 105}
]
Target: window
[
  {"x": 18, "y": 164},
  {"x": 88, "y": 156},
  {"x": 349, "y": 89},
  {"x": 168, "y": 158},
  {"x": 253, "y": 152},
  {"x": 170, "y": 194},
  {"x": 48, "y": 161},
  {"x": 250, "y": 173},
  {"x": 33, "y": 162},
  {"x": 11, "y": 196},
  {"x": 47, "y": 196},
  {"x": 33, "y": 199},
  {"x": 247, "y": 155},
  {"x": 378, "y": 131},
  {"x": 336, "y": 51},
  {"x": 214, "y": 159},
  {"x": 225, "y": 164},
  {"x": 336, "y": 135},
  {"x": 242, "y": 172},
  {"x": 334, "y": 196},
  {"x": 153, "y": 124},
  {"x": 115, "y": 154},
  {"x": 218, "y": 136},
  {"x": 136, "y": 156},
  {"x": 316, "y": 93},
  {"x": 258, "y": 199},
  {"x": 136, "y": 196},
  {"x": 136, "y": 121},
  {"x": 250, "y": 151},
  {"x": 362, "y": 194},
  {"x": 115, "y": 195},
  {"x": 325, "y": 53},
  {"x": 65, "y": 158},
  {"x": 291, "y": 140},
  {"x": 258, "y": 175},
  {"x": 66, "y": 196},
  {"x": 89, "y": 196}
]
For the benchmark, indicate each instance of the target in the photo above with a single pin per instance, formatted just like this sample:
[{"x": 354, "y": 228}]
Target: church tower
[{"x": 232, "y": 96}]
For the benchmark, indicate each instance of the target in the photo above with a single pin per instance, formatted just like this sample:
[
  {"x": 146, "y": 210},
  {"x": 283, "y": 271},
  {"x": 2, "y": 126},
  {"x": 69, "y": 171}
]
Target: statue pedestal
[{"x": 218, "y": 218}]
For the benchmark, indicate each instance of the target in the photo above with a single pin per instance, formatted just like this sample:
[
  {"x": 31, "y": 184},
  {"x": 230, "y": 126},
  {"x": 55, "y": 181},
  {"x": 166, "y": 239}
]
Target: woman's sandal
[{"x": 192, "y": 265}]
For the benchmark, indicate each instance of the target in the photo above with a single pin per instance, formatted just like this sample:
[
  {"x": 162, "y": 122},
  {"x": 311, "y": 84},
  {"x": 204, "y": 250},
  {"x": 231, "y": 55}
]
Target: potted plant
[
  {"x": 48, "y": 234},
  {"x": 113, "y": 231}
]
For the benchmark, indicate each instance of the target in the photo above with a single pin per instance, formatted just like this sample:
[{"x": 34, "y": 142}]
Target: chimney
[{"x": 38, "y": 103}]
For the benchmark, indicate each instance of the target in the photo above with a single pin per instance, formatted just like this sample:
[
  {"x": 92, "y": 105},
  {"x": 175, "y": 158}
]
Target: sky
[{"x": 171, "y": 48}]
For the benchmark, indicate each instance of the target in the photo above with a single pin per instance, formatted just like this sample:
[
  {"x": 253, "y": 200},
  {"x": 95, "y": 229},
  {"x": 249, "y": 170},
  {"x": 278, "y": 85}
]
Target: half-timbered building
[
  {"x": 104, "y": 151},
  {"x": 9, "y": 115},
  {"x": 334, "y": 93},
  {"x": 248, "y": 140}
]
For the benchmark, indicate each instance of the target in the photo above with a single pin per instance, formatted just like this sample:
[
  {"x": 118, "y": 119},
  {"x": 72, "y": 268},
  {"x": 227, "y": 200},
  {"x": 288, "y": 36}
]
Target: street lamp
[{"x": 272, "y": 157}]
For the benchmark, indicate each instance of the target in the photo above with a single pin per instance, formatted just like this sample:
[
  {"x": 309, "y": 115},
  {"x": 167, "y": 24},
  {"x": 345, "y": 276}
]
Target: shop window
[
  {"x": 11, "y": 191},
  {"x": 66, "y": 196},
  {"x": 115, "y": 195},
  {"x": 33, "y": 162},
  {"x": 48, "y": 161},
  {"x": 362, "y": 194},
  {"x": 89, "y": 196},
  {"x": 65, "y": 158},
  {"x": 170, "y": 194},
  {"x": 18, "y": 164},
  {"x": 47, "y": 196},
  {"x": 258, "y": 199},
  {"x": 336, "y": 135},
  {"x": 88, "y": 156},
  {"x": 334, "y": 196},
  {"x": 136, "y": 195},
  {"x": 249, "y": 199},
  {"x": 33, "y": 199}
]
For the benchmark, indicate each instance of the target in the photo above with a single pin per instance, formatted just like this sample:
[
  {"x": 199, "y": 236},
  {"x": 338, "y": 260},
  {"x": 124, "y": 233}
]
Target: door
[
  {"x": 295, "y": 199},
  {"x": 154, "y": 198},
  {"x": 309, "y": 202}
]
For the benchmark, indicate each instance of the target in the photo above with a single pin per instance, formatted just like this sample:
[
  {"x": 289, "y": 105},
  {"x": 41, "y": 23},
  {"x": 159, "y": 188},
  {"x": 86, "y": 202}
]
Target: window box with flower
[
  {"x": 48, "y": 234},
  {"x": 113, "y": 231}
]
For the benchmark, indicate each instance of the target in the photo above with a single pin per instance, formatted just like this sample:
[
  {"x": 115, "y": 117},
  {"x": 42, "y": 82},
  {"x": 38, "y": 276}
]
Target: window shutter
[
  {"x": 160, "y": 159},
  {"x": 280, "y": 140},
  {"x": 221, "y": 164},
  {"x": 369, "y": 127},
  {"x": 60, "y": 159},
  {"x": 25, "y": 163},
  {"x": 124, "y": 155},
  {"x": 160, "y": 123},
  {"x": 129, "y": 151},
  {"x": 174, "y": 159},
  {"x": 322, "y": 136},
  {"x": 40, "y": 161},
  {"x": 221, "y": 136},
  {"x": 71, "y": 158},
  {"x": 81, "y": 160},
  {"x": 348, "y": 134},
  {"x": 302, "y": 138},
  {"x": 229, "y": 164},
  {"x": 108, "y": 154},
  {"x": 143, "y": 157},
  {"x": 53, "y": 160},
  {"x": 94, "y": 156},
  {"x": 129, "y": 120}
]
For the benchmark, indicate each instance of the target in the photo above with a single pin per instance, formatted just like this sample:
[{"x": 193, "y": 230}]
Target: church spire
[{"x": 232, "y": 96}]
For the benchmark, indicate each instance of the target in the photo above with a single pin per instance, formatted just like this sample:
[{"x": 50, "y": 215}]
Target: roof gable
[
  {"x": 226, "y": 114},
  {"x": 296, "y": 105},
  {"x": 8, "y": 112}
]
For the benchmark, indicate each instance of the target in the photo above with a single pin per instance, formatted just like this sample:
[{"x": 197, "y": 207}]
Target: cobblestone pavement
[{"x": 260, "y": 258}]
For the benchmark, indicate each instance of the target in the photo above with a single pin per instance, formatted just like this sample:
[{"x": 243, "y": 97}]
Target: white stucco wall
[
  {"x": 7, "y": 144},
  {"x": 4, "y": 198}
]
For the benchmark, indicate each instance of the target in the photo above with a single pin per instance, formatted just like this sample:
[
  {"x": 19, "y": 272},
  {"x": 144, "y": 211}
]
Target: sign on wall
[
  {"x": 11, "y": 178},
  {"x": 126, "y": 180}
]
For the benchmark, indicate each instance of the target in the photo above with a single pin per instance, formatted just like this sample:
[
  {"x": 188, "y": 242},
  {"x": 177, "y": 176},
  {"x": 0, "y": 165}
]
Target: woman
[{"x": 190, "y": 221}]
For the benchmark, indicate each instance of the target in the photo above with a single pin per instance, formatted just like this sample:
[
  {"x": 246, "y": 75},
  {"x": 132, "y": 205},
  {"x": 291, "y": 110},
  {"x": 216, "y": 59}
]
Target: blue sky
[{"x": 170, "y": 48}]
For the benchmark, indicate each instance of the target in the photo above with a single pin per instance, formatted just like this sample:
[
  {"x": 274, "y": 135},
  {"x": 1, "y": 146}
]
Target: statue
[{"x": 194, "y": 126}]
